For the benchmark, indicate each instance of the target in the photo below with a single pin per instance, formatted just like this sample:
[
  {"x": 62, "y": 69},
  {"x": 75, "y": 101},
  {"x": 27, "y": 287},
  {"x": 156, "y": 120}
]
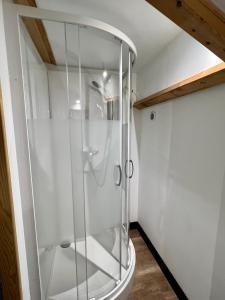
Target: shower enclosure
[{"x": 78, "y": 130}]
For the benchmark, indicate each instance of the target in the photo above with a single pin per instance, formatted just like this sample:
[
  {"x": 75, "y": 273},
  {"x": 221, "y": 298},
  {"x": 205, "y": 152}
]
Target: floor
[{"x": 149, "y": 281}]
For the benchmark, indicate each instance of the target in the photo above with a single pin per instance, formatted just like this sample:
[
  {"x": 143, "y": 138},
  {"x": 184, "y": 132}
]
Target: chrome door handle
[
  {"x": 132, "y": 168},
  {"x": 117, "y": 174}
]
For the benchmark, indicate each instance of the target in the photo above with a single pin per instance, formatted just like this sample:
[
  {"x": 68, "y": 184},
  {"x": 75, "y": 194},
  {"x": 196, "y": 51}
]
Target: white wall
[
  {"x": 182, "y": 164},
  {"x": 134, "y": 182},
  {"x": 218, "y": 279},
  {"x": 183, "y": 57}
]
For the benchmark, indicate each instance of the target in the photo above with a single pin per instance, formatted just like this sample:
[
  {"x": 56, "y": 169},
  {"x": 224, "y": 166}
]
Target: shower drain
[{"x": 65, "y": 245}]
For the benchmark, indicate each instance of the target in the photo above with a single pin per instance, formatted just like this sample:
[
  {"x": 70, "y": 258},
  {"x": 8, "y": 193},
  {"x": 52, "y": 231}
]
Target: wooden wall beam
[
  {"x": 38, "y": 34},
  {"x": 202, "y": 19},
  {"x": 211, "y": 77},
  {"x": 9, "y": 266}
]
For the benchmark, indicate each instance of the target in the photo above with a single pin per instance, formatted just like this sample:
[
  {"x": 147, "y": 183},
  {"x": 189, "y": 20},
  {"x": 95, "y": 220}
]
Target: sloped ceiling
[
  {"x": 220, "y": 4},
  {"x": 149, "y": 29}
]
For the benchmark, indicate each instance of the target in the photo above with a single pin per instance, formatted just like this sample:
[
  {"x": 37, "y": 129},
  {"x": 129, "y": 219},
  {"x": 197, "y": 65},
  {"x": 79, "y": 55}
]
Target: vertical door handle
[
  {"x": 132, "y": 168},
  {"x": 117, "y": 174}
]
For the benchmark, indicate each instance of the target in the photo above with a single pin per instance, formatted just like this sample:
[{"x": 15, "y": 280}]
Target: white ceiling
[
  {"x": 220, "y": 4},
  {"x": 149, "y": 29}
]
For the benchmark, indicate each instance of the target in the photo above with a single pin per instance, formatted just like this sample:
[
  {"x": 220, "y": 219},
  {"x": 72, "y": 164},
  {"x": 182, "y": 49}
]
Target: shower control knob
[{"x": 92, "y": 153}]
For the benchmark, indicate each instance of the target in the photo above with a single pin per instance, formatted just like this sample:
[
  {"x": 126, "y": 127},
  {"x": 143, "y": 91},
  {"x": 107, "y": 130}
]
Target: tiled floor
[{"x": 149, "y": 281}]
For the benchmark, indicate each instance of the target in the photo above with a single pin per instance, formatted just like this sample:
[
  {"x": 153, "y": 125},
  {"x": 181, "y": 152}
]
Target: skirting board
[
  {"x": 169, "y": 276},
  {"x": 1, "y": 296}
]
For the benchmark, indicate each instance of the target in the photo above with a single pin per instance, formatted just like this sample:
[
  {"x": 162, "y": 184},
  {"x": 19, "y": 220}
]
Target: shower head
[{"x": 104, "y": 82}]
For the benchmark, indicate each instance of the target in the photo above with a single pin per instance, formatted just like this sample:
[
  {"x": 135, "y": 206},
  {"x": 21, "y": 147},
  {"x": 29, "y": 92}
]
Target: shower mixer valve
[{"x": 90, "y": 153}]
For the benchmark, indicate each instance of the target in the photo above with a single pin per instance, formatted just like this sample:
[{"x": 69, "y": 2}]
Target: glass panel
[
  {"x": 78, "y": 123},
  {"x": 126, "y": 162},
  {"x": 47, "y": 100},
  {"x": 74, "y": 88},
  {"x": 100, "y": 59}
]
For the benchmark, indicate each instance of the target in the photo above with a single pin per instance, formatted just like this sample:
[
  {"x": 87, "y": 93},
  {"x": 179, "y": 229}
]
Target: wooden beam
[
  {"x": 38, "y": 34},
  {"x": 202, "y": 19},
  {"x": 9, "y": 266},
  {"x": 211, "y": 77}
]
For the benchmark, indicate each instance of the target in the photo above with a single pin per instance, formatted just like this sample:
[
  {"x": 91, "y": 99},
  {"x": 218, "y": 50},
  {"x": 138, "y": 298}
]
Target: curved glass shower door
[
  {"x": 102, "y": 144},
  {"x": 78, "y": 124}
]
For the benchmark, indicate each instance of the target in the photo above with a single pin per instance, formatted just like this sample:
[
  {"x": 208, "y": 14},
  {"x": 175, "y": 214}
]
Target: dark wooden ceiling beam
[
  {"x": 38, "y": 34},
  {"x": 211, "y": 77},
  {"x": 202, "y": 19}
]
